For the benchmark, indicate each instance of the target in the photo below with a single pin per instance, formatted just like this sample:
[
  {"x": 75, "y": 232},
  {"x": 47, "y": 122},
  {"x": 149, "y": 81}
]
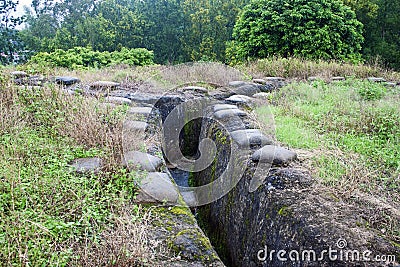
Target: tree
[
  {"x": 165, "y": 26},
  {"x": 9, "y": 42},
  {"x": 210, "y": 25},
  {"x": 382, "y": 35},
  {"x": 315, "y": 29}
]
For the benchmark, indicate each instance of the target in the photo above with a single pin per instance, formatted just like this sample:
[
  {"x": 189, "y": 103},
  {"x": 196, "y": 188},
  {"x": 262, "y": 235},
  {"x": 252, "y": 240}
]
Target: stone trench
[{"x": 271, "y": 206}]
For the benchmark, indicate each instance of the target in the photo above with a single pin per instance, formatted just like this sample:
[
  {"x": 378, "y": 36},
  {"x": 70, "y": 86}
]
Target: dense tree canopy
[
  {"x": 191, "y": 30},
  {"x": 314, "y": 29},
  {"x": 9, "y": 42},
  {"x": 382, "y": 31}
]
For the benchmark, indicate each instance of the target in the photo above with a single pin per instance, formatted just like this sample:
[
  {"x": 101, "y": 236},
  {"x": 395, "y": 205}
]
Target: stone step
[
  {"x": 239, "y": 99},
  {"x": 376, "y": 79},
  {"x": 117, "y": 100},
  {"x": 247, "y": 89},
  {"x": 140, "y": 111},
  {"x": 235, "y": 84},
  {"x": 249, "y": 138},
  {"x": 144, "y": 98},
  {"x": 228, "y": 113},
  {"x": 19, "y": 74},
  {"x": 390, "y": 84},
  {"x": 66, "y": 80},
  {"x": 338, "y": 78},
  {"x": 87, "y": 165},
  {"x": 196, "y": 89},
  {"x": 219, "y": 107},
  {"x": 274, "y": 79},
  {"x": 274, "y": 154},
  {"x": 157, "y": 187},
  {"x": 262, "y": 95},
  {"x": 135, "y": 126},
  {"x": 103, "y": 85},
  {"x": 259, "y": 81},
  {"x": 190, "y": 198},
  {"x": 142, "y": 161}
]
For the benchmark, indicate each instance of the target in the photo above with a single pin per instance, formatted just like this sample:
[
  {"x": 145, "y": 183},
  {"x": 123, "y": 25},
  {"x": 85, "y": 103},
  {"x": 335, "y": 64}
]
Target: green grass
[
  {"x": 358, "y": 120},
  {"x": 45, "y": 207},
  {"x": 49, "y": 214}
]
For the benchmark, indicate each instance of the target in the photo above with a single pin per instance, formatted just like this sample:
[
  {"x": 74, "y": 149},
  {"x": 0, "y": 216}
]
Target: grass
[
  {"x": 346, "y": 133},
  {"x": 301, "y": 69},
  {"x": 49, "y": 215}
]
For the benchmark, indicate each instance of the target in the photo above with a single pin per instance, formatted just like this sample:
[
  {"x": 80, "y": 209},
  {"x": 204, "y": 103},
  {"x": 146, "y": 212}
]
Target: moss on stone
[{"x": 284, "y": 211}]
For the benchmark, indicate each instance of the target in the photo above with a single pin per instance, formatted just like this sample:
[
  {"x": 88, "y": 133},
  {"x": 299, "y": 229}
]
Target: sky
[{"x": 20, "y": 7}]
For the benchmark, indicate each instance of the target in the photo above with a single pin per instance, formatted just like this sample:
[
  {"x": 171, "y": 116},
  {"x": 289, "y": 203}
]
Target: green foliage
[
  {"x": 48, "y": 212},
  {"x": 382, "y": 37},
  {"x": 82, "y": 58},
  {"x": 9, "y": 41},
  {"x": 45, "y": 207},
  {"x": 210, "y": 26},
  {"x": 311, "y": 29},
  {"x": 338, "y": 116},
  {"x": 371, "y": 91}
]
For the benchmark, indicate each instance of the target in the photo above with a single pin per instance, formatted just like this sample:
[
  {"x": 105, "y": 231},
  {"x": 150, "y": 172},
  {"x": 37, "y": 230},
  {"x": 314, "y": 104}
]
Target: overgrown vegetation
[
  {"x": 83, "y": 58},
  {"x": 186, "y": 30},
  {"x": 348, "y": 135},
  {"x": 354, "y": 125},
  {"x": 310, "y": 29},
  {"x": 50, "y": 215},
  {"x": 302, "y": 69}
]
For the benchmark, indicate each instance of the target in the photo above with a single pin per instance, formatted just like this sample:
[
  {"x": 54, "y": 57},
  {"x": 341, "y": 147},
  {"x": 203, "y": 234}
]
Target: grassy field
[
  {"x": 347, "y": 134},
  {"x": 49, "y": 215}
]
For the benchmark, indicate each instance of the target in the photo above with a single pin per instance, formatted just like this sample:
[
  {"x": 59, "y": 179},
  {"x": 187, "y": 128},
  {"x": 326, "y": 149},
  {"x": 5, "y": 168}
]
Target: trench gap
[{"x": 189, "y": 138}]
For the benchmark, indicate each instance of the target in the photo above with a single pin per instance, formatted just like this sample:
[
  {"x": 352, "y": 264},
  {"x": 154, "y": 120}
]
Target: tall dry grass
[
  {"x": 79, "y": 121},
  {"x": 303, "y": 69},
  {"x": 125, "y": 243}
]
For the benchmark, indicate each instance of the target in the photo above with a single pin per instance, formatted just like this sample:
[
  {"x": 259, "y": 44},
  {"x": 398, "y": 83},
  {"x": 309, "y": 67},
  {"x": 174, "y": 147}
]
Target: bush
[
  {"x": 371, "y": 91},
  {"x": 84, "y": 57},
  {"x": 316, "y": 29}
]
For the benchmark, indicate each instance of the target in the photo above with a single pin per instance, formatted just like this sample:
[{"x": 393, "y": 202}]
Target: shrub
[
  {"x": 371, "y": 91},
  {"x": 84, "y": 57}
]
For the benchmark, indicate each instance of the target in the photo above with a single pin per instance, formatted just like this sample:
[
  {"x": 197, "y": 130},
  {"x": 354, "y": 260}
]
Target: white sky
[{"x": 20, "y": 7}]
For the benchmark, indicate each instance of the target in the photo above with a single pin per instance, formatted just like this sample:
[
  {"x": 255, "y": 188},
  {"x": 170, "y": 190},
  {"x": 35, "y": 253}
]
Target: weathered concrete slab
[
  {"x": 274, "y": 154},
  {"x": 66, "y": 80},
  {"x": 250, "y": 138},
  {"x": 157, "y": 187},
  {"x": 240, "y": 99},
  {"x": 87, "y": 165},
  {"x": 219, "y": 107},
  {"x": 117, "y": 100},
  {"x": 103, "y": 85},
  {"x": 228, "y": 113},
  {"x": 142, "y": 161}
]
